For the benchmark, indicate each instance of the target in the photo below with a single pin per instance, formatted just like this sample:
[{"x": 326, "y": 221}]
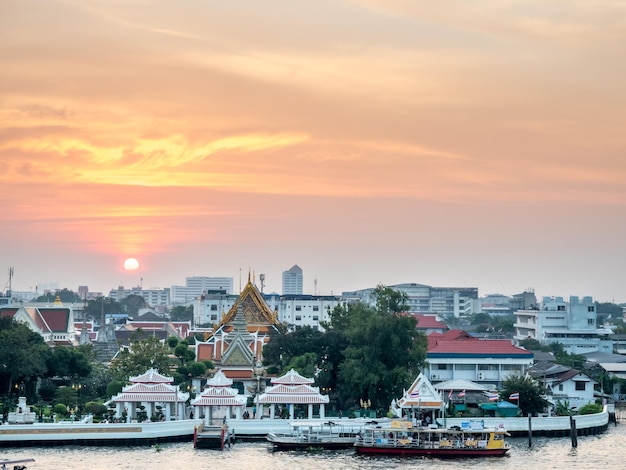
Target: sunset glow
[{"x": 445, "y": 143}]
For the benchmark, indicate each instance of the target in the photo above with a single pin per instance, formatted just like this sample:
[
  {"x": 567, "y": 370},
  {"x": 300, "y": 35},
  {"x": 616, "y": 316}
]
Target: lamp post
[{"x": 365, "y": 404}]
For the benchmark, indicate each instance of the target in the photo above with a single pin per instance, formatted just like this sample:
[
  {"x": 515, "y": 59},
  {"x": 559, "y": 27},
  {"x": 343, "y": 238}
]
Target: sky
[{"x": 448, "y": 143}]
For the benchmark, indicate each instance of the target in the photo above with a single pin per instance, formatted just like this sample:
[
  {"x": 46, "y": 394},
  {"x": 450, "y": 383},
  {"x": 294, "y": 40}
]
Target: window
[
  {"x": 580, "y": 386},
  {"x": 213, "y": 317},
  {"x": 213, "y": 308},
  {"x": 298, "y": 317},
  {"x": 316, "y": 308},
  {"x": 590, "y": 321},
  {"x": 298, "y": 308},
  {"x": 591, "y": 308},
  {"x": 560, "y": 387},
  {"x": 316, "y": 318}
]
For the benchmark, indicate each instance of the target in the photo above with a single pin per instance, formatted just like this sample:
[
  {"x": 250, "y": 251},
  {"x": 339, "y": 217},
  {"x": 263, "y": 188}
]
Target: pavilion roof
[
  {"x": 292, "y": 378},
  {"x": 300, "y": 394},
  {"x": 219, "y": 396},
  {"x": 151, "y": 376},
  {"x": 219, "y": 380},
  {"x": 143, "y": 392}
]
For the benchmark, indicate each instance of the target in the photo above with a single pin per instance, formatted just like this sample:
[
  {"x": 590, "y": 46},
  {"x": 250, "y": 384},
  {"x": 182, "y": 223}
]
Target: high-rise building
[{"x": 292, "y": 281}]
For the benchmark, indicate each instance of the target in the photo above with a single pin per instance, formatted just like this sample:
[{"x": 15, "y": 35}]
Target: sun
[{"x": 131, "y": 264}]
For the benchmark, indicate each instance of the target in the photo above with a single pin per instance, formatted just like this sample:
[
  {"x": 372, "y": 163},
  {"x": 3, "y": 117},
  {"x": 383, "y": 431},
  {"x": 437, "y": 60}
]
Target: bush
[
  {"x": 589, "y": 409},
  {"x": 96, "y": 409},
  {"x": 60, "y": 409}
]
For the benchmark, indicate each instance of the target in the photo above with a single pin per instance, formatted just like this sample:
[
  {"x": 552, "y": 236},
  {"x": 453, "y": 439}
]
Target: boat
[
  {"x": 15, "y": 464},
  {"x": 403, "y": 439},
  {"x": 313, "y": 434}
]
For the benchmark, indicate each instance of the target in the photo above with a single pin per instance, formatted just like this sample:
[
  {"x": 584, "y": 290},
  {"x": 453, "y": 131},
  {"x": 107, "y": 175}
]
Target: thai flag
[
  {"x": 415, "y": 394},
  {"x": 462, "y": 394},
  {"x": 514, "y": 396},
  {"x": 493, "y": 396}
]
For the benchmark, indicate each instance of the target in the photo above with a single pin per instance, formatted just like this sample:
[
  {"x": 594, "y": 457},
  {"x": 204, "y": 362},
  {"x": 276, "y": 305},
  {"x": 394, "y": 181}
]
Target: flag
[
  {"x": 450, "y": 395},
  {"x": 415, "y": 394},
  {"x": 514, "y": 396},
  {"x": 462, "y": 394},
  {"x": 493, "y": 396}
]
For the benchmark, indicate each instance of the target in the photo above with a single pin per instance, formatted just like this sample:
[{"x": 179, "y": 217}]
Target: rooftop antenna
[
  {"x": 315, "y": 286},
  {"x": 9, "y": 293},
  {"x": 262, "y": 279}
]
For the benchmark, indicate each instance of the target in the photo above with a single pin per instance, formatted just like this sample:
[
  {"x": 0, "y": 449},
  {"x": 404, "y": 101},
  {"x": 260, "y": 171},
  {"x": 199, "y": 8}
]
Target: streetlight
[{"x": 365, "y": 404}]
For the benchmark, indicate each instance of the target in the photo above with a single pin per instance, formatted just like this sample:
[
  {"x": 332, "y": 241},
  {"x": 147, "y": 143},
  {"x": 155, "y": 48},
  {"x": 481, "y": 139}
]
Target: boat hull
[
  {"x": 438, "y": 453},
  {"x": 294, "y": 444}
]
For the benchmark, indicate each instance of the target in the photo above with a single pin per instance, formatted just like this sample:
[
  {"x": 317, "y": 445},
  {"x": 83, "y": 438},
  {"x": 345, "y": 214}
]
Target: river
[{"x": 607, "y": 450}]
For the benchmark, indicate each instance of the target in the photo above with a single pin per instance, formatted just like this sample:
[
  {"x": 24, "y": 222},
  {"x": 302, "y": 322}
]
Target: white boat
[
  {"x": 314, "y": 434},
  {"x": 15, "y": 464},
  {"x": 402, "y": 439}
]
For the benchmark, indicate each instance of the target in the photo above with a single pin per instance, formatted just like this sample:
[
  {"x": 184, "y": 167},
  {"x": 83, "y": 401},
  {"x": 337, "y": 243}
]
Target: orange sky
[{"x": 446, "y": 143}]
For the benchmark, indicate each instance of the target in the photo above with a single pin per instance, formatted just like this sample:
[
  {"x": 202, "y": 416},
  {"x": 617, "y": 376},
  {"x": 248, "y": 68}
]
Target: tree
[
  {"x": 68, "y": 362},
  {"x": 132, "y": 304},
  {"x": 23, "y": 354},
  {"x": 181, "y": 313},
  {"x": 141, "y": 355},
  {"x": 385, "y": 354},
  {"x": 389, "y": 300},
  {"x": 66, "y": 296},
  {"x": 184, "y": 353},
  {"x": 530, "y": 393},
  {"x": 102, "y": 306}
]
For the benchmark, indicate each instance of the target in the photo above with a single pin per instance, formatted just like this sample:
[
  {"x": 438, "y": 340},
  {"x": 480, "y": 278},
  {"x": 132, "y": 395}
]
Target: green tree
[
  {"x": 23, "y": 354},
  {"x": 66, "y": 296},
  {"x": 102, "y": 306},
  {"x": 141, "y": 355},
  {"x": 530, "y": 393},
  {"x": 181, "y": 313},
  {"x": 389, "y": 300},
  {"x": 132, "y": 304},
  {"x": 385, "y": 351},
  {"x": 184, "y": 353},
  {"x": 68, "y": 362}
]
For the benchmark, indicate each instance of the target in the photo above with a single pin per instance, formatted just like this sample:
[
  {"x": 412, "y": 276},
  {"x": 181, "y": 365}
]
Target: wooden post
[
  {"x": 572, "y": 431},
  {"x": 530, "y": 430}
]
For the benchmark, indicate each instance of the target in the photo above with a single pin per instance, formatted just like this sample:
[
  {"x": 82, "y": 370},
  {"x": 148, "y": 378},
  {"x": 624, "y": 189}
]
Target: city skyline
[{"x": 369, "y": 142}]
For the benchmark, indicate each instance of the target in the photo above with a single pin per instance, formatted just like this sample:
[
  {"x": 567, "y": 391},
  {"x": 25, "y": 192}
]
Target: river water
[{"x": 606, "y": 451}]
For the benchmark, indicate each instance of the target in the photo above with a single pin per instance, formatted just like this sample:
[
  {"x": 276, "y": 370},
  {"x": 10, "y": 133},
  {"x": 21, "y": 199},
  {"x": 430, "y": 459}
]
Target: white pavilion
[
  {"x": 217, "y": 393},
  {"x": 151, "y": 390},
  {"x": 292, "y": 389}
]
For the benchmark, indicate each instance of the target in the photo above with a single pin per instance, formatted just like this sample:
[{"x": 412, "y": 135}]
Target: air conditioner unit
[
  {"x": 480, "y": 376},
  {"x": 434, "y": 376}
]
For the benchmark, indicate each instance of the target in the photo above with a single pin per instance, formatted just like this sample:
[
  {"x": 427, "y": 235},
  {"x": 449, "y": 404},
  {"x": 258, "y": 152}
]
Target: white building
[
  {"x": 152, "y": 297},
  {"x": 292, "y": 281},
  {"x": 197, "y": 285},
  {"x": 296, "y": 310},
  {"x": 443, "y": 301},
  {"x": 572, "y": 324}
]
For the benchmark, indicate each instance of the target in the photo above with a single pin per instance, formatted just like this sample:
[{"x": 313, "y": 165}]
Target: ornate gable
[{"x": 257, "y": 314}]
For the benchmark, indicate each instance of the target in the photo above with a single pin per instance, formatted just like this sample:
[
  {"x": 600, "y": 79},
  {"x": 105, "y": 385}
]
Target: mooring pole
[
  {"x": 530, "y": 430},
  {"x": 572, "y": 431}
]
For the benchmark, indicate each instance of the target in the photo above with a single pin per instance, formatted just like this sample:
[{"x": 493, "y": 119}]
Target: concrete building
[
  {"x": 292, "y": 281},
  {"x": 572, "y": 324},
  {"x": 195, "y": 286},
  {"x": 456, "y": 354},
  {"x": 152, "y": 297},
  {"x": 443, "y": 301},
  {"x": 296, "y": 310}
]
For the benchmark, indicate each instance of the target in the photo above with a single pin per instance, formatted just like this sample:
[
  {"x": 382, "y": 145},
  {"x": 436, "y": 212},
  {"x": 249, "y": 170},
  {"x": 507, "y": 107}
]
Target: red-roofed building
[
  {"x": 54, "y": 324},
  {"x": 429, "y": 324},
  {"x": 456, "y": 354}
]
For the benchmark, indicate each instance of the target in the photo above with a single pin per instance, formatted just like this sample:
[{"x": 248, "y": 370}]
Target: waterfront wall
[
  {"x": 553, "y": 426},
  {"x": 545, "y": 426}
]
